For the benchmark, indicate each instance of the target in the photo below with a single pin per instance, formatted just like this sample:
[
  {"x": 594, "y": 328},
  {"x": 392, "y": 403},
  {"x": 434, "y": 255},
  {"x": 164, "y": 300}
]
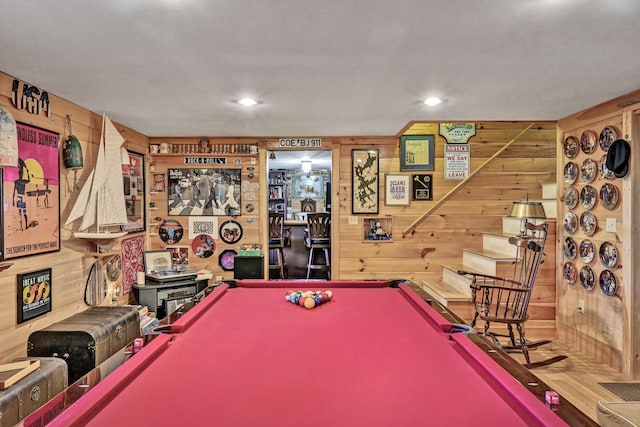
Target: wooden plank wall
[
  {"x": 606, "y": 332},
  {"x": 69, "y": 267}
]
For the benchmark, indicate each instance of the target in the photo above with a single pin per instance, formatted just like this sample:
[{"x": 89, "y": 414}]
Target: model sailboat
[{"x": 101, "y": 202}]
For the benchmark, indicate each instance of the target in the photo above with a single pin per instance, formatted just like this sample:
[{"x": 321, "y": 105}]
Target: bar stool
[
  {"x": 318, "y": 238},
  {"x": 276, "y": 242}
]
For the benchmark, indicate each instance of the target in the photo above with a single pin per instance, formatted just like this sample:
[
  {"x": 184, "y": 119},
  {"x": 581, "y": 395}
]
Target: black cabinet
[{"x": 248, "y": 267}]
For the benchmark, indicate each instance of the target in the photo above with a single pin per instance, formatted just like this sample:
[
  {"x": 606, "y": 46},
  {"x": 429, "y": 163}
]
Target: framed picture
[
  {"x": 365, "y": 185},
  {"x": 133, "y": 177},
  {"x": 417, "y": 152},
  {"x": 396, "y": 190},
  {"x": 227, "y": 259},
  {"x": 230, "y": 231},
  {"x": 159, "y": 183},
  {"x": 422, "y": 187},
  {"x": 34, "y": 294},
  {"x": 307, "y": 186},
  {"x": 31, "y": 196},
  {"x": 179, "y": 257},
  {"x": 378, "y": 229},
  {"x": 157, "y": 261},
  {"x": 204, "y": 192}
]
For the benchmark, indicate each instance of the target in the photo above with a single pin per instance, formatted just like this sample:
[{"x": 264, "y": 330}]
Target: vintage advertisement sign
[
  {"x": 28, "y": 97},
  {"x": 31, "y": 195},
  {"x": 456, "y": 161},
  {"x": 457, "y": 133},
  {"x": 34, "y": 294}
]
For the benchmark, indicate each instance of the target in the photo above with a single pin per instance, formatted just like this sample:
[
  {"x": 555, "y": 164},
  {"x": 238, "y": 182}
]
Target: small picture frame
[
  {"x": 34, "y": 294},
  {"x": 396, "y": 190},
  {"x": 422, "y": 187},
  {"x": 377, "y": 229},
  {"x": 417, "y": 152},
  {"x": 179, "y": 257},
  {"x": 365, "y": 181},
  {"x": 157, "y": 261}
]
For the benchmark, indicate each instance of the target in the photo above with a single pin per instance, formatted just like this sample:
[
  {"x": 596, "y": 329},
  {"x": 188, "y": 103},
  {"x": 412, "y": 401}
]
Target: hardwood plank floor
[{"x": 575, "y": 378}]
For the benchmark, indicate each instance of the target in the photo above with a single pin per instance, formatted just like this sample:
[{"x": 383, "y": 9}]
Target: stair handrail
[{"x": 451, "y": 192}]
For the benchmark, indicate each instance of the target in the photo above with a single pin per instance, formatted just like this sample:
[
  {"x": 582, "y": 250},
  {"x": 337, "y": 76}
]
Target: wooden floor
[{"x": 575, "y": 378}]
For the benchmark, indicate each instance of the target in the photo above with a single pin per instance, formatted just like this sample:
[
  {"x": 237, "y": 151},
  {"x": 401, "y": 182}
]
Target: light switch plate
[
  {"x": 611, "y": 225},
  {"x": 353, "y": 220}
]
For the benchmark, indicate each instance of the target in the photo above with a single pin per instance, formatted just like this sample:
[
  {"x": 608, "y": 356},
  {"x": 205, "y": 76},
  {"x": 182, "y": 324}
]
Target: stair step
[
  {"x": 452, "y": 279},
  {"x": 484, "y": 261},
  {"x": 444, "y": 293},
  {"x": 499, "y": 243}
]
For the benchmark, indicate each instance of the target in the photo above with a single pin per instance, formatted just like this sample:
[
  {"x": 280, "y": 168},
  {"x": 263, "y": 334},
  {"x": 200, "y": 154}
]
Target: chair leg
[
  {"x": 512, "y": 337},
  {"x": 523, "y": 343},
  {"x": 281, "y": 262},
  {"x": 309, "y": 262},
  {"x": 327, "y": 263},
  {"x": 474, "y": 320}
]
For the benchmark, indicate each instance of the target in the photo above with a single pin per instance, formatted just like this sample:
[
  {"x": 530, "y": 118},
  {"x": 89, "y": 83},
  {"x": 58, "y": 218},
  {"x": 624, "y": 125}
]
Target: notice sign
[
  {"x": 300, "y": 142},
  {"x": 456, "y": 161}
]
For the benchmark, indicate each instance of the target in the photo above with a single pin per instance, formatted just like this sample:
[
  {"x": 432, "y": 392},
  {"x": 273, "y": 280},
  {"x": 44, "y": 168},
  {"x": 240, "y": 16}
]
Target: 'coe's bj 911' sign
[{"x": 300, "y": 142}]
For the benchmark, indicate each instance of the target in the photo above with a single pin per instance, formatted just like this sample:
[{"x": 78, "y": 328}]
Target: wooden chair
[
  {"x": 318, "y": 238},
  {"x": 276, "y": 242},
  {"x": 506, "y": 300}
]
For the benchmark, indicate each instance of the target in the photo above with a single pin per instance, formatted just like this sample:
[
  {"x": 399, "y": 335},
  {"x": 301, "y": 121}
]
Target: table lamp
[{"x": 526, "y": 210}]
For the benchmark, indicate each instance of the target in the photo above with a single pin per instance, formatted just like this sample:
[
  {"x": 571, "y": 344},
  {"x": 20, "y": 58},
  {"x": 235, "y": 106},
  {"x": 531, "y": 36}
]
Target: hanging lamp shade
[{"x": 527, "y": 209}]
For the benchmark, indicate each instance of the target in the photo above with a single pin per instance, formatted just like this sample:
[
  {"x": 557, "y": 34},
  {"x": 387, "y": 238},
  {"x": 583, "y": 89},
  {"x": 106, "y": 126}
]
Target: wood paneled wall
[
  {"x": 608, "y": 330},
  {"x": 69, "y": 267}
]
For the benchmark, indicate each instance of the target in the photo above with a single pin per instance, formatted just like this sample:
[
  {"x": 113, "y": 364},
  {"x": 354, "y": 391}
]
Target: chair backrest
[
  {"x": 308, "y": 205},
  {"x": 276, "y": 228},
  {"x": 319, "y": 225}
]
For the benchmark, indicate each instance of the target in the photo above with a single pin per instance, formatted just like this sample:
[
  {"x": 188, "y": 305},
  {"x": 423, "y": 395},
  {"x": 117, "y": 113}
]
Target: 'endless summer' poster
[{"x": 31, "y": 195}]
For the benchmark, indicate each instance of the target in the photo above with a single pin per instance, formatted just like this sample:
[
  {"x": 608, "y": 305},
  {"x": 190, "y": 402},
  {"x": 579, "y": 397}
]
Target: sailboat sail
[{"x": 101, "y": 199}]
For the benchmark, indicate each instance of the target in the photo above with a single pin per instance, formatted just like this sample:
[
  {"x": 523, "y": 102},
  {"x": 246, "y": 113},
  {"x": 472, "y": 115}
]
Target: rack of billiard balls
[{"x": 308, "y": 299}]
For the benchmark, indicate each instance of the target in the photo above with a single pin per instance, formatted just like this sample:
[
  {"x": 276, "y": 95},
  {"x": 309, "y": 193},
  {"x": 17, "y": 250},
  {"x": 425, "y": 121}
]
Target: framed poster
[
  {"x": 396, "y": 190},
  {"x": 31, "y": 195},
  {"x": 34, "y": 294},
  {"x": 422, "y": 187},
  {"x": 378, "y": 229},
  {"x": 204, "y": 192},
  {"x": 179, "y": 257},
  {"x": 132, "y": 260},
  {"x": 303, "y": 186},
  {"x": 133, "y": 177},
  {"x": 417, "y": 152},
  {"x": 364, "y": 172}
]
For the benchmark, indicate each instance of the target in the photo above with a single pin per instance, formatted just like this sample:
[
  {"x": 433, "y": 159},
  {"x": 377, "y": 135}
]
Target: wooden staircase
[{"x": 496, "y": 258}]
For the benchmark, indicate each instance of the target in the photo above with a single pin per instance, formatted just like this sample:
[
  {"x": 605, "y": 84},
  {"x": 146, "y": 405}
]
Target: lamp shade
[{"x": 527, "y": 210}]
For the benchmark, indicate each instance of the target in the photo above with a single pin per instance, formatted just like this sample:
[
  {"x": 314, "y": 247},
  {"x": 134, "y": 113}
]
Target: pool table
[{"x": 376, "y": 354}]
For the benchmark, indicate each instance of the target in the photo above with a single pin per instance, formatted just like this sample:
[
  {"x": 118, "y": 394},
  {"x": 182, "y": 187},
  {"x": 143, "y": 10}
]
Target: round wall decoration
[
  {"x": 605, "y": 173},
  {"x": 588, "y": 170},
  {"x": 570, "y": 147},
  {"x": 587, "y": 278},
  {"x": 588, "y": 223},
  {"x": 570, "y": 173},
  {"x": 608, "y": 283},
  {"x": 227, "y": 259},
  {"x": 588, "y": 141},
  {"x": 170, "y": 231},
  {"x": 571, "y": 197},
  {"x": 587, "y": 251},
  {"x": 570, "y": 222},
  {"x": 203, "y": 246},
  {"x": 570, "y": 248},
  {"x": 609, "y": 196},
  {"x": 607, "y": 136},
  {"x": 569, "y": 273},
  {"x": 114, "y": 268},
  {"x": 608, "y": 254},
  {"x": 230, "y": 231},
  {"x": 588, "y": 197}
]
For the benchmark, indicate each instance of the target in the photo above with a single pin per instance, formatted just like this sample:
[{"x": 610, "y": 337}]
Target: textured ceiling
[{"x": 348, "y": 67}]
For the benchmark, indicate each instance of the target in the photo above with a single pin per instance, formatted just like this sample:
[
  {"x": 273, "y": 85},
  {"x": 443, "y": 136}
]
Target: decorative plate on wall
[
  {"x": 607, "y": 136},
  {"x": 227, "y": 259},
  {"x": 570, "y": 173},
  {"x": 609, "y": 196},
  {"x": 608, "y": 254},
  {"x": 230, "y": 231},
  {"x": 588, "y": 197},
  {"x": 588, "y": 141},
  {"x": 570, "y": 222},
  {"x": 587, "y": 278},
  {"x": 203, "y": 246},
  {"x": 605, "y": 173},
  {"x": 570, "y": 147},
  {"x": 588, "y": 223},
  {"x": 569, "y": 272},
  {"x": 608, "y": 283},
  {"x": 587, "y": 251},
  {"x": 571, "y": 197},
  {"x": 570, "y": 250},
  {"x": 588, "y": 170}
]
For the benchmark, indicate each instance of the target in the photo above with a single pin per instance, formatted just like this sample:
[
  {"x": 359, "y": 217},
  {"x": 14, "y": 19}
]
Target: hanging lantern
[{"x": 72, "y": 154}]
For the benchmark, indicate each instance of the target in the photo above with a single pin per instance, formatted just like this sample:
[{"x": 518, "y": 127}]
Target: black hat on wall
[{"x": 618, "y": 158}]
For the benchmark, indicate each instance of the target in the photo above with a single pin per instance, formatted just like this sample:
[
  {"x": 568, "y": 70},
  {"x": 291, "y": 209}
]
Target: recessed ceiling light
[
  {"x": 247, "y": 102},
  {"x": 432, "y": 101}
]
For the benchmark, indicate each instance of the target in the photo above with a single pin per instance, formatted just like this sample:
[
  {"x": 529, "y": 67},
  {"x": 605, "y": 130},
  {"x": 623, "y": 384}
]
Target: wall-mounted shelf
[
  {"x": 5, "y": 265},
  {"x": 101, "y": 255}
]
